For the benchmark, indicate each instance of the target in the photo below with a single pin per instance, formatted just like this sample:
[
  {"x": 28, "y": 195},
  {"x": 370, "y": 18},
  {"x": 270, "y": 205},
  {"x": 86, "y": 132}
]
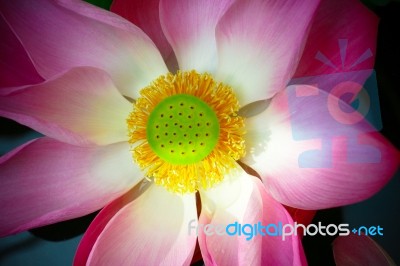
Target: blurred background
[{"x": 56, "y": 244}]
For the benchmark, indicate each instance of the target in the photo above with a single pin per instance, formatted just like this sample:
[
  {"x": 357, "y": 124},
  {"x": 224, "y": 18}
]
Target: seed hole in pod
[{"x": 174, "y": 128}]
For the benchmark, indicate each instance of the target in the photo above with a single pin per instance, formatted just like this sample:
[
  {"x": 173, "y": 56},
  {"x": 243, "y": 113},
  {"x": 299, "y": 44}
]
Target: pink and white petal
[
  {"x": 95, "y": 228},
  {"x": 359, "y": 250},
  {"x": 236, "y": 199},
  {"x": 313, "y": 151},
  {"x": 157, "y": 220},
  {"x": 80, "y": 107},
  {"x": 259, "y": 45},
  {"x": 16, "y": 68},
  {"x": 58, "y": 39},
  {"x": 342, "y": 39},
  {"x": 99, "y": 223},
  {"x": 192, "y": 32},
  {"x": 99, "y": 14},
  {"x": 46, "y": 181},
  {"x": 144, "y": 14},
  {"x": 288, "y": 250},
  {"x": 250, "y": 207}
]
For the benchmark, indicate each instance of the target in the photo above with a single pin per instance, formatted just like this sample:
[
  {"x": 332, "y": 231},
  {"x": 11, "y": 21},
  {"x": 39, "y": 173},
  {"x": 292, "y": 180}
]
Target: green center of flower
[{"x": 182, "y": 129}]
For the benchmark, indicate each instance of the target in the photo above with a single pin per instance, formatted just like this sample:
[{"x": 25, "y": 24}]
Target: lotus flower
[{"x": 194, "y": 102}]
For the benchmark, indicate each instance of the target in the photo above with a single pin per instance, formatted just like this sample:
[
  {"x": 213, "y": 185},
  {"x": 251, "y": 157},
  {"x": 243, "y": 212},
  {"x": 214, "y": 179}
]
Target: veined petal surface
[
  {"x": 80, "y": 107},
  {"x": 46, "y": 181},
  {"x": 342, "y": 39},
  {"x": 259, "y": 45},
  {"x": 242, "y": 200},
  {"x": 151, "y": 230},
  {"x": 314, "y": 151},
  {"x": 57, "y": 39},
  {"x": 192, "y": 33},
  {"x": 146, "y": 15}
]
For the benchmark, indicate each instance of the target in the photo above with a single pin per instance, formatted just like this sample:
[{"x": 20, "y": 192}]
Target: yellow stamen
[{"x": 205, "y": 157}]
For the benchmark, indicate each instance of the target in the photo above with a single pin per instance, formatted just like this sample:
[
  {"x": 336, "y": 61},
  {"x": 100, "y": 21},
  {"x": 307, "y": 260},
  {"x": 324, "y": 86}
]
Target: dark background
[{"x": 56, "y": 244}]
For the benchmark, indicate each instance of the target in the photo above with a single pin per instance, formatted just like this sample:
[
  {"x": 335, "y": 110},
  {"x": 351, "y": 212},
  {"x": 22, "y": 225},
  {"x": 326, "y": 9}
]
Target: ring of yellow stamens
[{"x": 173, "y": 153}]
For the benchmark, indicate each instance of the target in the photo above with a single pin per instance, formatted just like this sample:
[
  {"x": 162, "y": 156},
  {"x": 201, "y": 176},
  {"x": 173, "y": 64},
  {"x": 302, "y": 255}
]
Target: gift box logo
[{"x": 345, "y": 95}]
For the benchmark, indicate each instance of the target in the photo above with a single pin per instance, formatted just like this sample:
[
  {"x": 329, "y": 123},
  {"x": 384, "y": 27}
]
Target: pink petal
[
  {"x": 289, "y": 251},
  {"x": 190, "y": 29},
  {"x": 144, "y": 14},
  {"x": 252, "y": 205},
  {"x": 45, "y": 181},
  {"x": 16, "y": 68},
  {"x": 81, "y": 106},
  {"x": 313, "y": 151},
  {"x": 150, "y": 230},
  {"x": 259, "y": 45},
  {"x": 359, "y": 250},
  {"x": 99, "y": 14},
  {"x": 57, "y": 39},
  {"x": 98, "y": 225},
  {"x": 342, "y": 39}
]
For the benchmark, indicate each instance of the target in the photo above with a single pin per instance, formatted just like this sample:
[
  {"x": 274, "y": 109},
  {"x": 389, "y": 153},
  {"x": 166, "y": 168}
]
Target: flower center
[
  {"x": 185, "y": 131},
  {"x": 182, "y": 129}
]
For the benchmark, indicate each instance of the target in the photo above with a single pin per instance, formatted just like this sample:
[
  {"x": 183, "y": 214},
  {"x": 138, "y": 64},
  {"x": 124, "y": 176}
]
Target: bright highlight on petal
[{"x": 189, "y": 131}]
